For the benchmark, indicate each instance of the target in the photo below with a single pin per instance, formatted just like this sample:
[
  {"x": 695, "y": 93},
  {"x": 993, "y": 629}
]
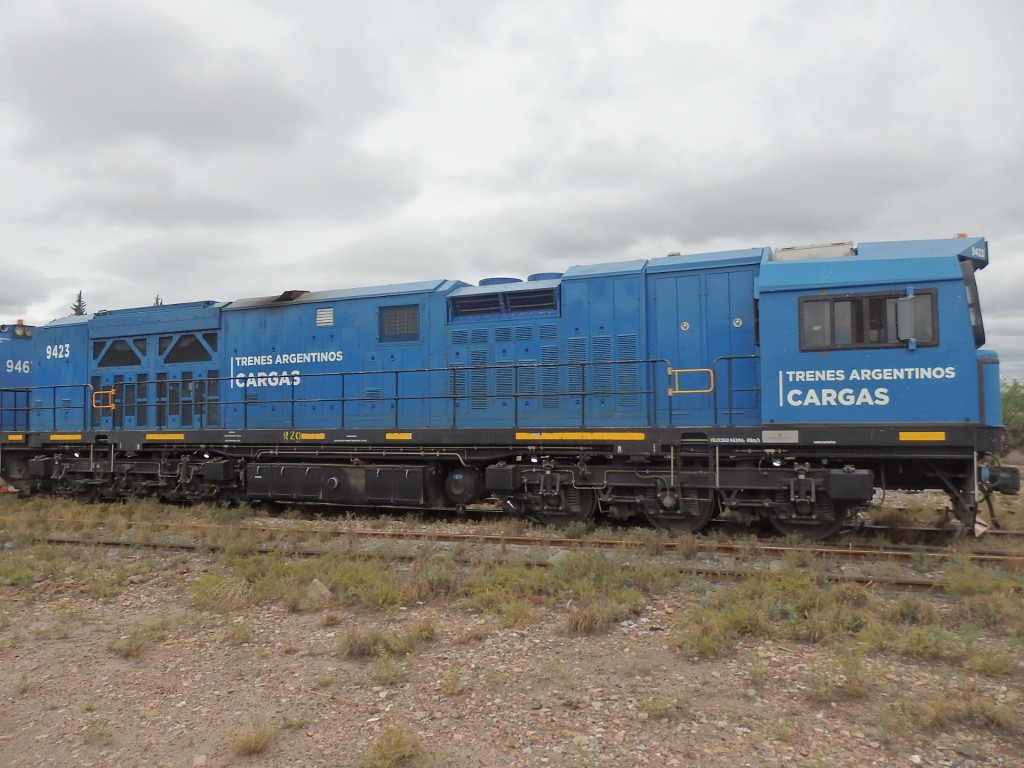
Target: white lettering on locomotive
[
  {"x": 851, "y": 396},
  {"x": 276, "y": 378},
  {"x": 267, "y": 379},
  {"x": 846, "y": 396}
]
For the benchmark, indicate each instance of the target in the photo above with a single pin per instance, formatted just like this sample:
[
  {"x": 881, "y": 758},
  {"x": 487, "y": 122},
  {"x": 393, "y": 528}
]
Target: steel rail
[{"x": 215, "y": 532}]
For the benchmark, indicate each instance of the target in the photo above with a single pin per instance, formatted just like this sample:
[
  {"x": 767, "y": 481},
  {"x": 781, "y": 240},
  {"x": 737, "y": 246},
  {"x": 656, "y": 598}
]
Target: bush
[
  {"x": 1013, "y": 413},
  {"x": 396, "y": 748}
]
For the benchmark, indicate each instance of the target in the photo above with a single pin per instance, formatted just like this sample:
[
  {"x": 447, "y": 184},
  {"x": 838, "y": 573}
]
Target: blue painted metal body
[
  {"x": 16, "y": 343},
  {"x": 701, "y": 321},
  {"x": 155, "y": 367},
  {"x": 686, "y": 341},
  {"x": 60, "y": 395},
  {"x": 898, "y": 384},
  {"x": 318, "y": 361}
]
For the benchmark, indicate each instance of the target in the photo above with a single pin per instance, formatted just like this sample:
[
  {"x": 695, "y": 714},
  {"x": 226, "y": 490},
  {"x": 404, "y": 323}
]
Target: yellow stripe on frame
[
  {"x": 398, "y": 436},
  {"x": 625, "y": 436},
  {"x": 166, "y": 436},
  {"x": 16, "y": 438},
  {"x": 65, "y": 438},
  {"x": 922, "y": 436},
  {"x": 312, "y": 436}
]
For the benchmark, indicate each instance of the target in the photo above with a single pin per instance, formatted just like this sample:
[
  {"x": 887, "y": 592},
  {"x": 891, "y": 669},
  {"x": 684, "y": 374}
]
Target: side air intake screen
[{"x": 530, "y": 301}]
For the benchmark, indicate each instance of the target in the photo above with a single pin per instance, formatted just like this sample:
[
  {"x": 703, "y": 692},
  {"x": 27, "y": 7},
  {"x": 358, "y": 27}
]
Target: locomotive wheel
[
  {"x": 813, "y": 522},
  {"x": 690, "y": 515},
  {"x": 576, "y": 505}
]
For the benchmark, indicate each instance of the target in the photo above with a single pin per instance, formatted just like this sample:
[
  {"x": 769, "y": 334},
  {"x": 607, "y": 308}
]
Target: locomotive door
[
  {"x": 119, "y": 401},
  {"x": 174, "y": 400},
  {"x": 703, "y": 325}
]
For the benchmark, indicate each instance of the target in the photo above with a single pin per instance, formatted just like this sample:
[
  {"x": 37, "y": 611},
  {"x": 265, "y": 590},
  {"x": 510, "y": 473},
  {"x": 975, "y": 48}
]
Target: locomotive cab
[{"x": 877, "y": 348}]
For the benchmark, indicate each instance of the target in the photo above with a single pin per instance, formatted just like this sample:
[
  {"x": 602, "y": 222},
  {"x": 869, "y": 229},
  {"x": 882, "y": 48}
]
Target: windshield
[{"x": 973, "y": 305}]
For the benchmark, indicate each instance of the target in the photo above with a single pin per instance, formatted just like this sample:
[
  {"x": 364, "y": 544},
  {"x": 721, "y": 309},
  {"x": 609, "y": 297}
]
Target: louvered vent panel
[
  {"x": 503, "y": 334},
  {"x": 458, "y": 382},
  {"x": 526, "y": 378},
  {"x": 478, "y": 336},
  {"x": 602, "y": 350},
  {"x": 531, "y": 301},
  {"x": 548, "y": 331},
  {"x": 478, "y": 379},
  {"x": 467, "y": 306},
  {"x": 505, "y": 382},
  {"x": 460, "y": 337},
  {"x": 549, "y": 377},
  {"x": 577, "y": 351},
  {"x": 524, "y": 332},
  {"x": 324, "y": 317},
  {"x": 629, "y": 374}
]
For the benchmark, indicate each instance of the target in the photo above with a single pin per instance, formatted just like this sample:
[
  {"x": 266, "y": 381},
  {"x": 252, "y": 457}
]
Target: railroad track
[
  {"x": 728, "y": 558},
  {"x": 845, "y": 550}
]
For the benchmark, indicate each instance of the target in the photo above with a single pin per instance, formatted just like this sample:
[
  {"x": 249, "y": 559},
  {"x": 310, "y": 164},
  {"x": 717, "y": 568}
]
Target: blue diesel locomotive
[{"x": 781, "y": 385}]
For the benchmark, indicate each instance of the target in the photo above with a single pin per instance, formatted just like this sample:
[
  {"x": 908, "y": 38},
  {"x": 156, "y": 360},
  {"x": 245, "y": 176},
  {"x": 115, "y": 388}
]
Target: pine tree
[{"x": 78, "y": 308}]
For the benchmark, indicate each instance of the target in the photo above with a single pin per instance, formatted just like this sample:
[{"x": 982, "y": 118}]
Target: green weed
[
  {"x": 452, "y": 684},
  {"x": 991, "y": 662},
  {"x": 140, "y": 637},
  {"x": 387, "y": 669},
  {"x": 929, "y": 643},
  {"x": 894, "y": 720},
  {"x": 668, "y": 708}
]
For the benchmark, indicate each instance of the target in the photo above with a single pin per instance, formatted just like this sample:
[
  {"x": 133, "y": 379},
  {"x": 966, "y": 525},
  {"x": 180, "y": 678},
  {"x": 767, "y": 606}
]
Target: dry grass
[
  {"x": 668, "y": 707},
  {"x": 974, "y": 710},
  {"x": 396, "y": 748},
  {"x": 374, "y": 643},
  {"x": 253, "y": 738},
  {"x": 133, "y": 643},
  {"x": 220, "y": 593}
]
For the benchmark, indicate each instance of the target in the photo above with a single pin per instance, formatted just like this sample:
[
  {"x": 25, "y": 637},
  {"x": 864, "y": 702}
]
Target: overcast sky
[{"x": 219, "y": 150}]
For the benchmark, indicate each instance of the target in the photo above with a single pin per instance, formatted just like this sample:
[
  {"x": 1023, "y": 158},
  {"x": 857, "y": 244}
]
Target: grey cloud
[
  {"x": 326, "y": 182},
  {"x": 161, "y": 208},
  {"x": 20, "y": 288},
  {"x": 193, "y": 258},
  {"x": 95, "y": 76},
  {"x": 177, "y": 268},
  {"x": 139, "y": 187}
]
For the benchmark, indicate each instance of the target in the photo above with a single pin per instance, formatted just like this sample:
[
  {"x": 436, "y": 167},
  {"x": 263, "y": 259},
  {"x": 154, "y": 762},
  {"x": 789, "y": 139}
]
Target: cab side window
[{"x": 864, "y": 321}]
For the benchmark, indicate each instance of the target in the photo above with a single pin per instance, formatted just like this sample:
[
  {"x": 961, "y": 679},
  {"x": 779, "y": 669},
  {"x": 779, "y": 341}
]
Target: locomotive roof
[
  {"x": 157, "y": 318},
  {"x": 693, "y": 261},
  {"x": 517, "y": 287},
  {"x": 608, "y": 268},
  {"x": 308, "y": 297},
  {"x": 674, "y": 262},
  {"x": 905, "y": 261}
]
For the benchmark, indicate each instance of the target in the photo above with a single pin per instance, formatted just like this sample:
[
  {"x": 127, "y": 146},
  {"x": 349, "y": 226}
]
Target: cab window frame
[{"x": 860, "y": 321}]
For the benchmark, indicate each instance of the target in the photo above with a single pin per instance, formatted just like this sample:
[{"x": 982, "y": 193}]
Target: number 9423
[{"x": 58, "y": 351}]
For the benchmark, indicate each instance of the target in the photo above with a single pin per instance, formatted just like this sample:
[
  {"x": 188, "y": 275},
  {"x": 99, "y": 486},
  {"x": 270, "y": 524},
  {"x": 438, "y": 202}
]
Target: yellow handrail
[
  {"x": 676, "y": 388},
  {"x": 97, "y": 394}
]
